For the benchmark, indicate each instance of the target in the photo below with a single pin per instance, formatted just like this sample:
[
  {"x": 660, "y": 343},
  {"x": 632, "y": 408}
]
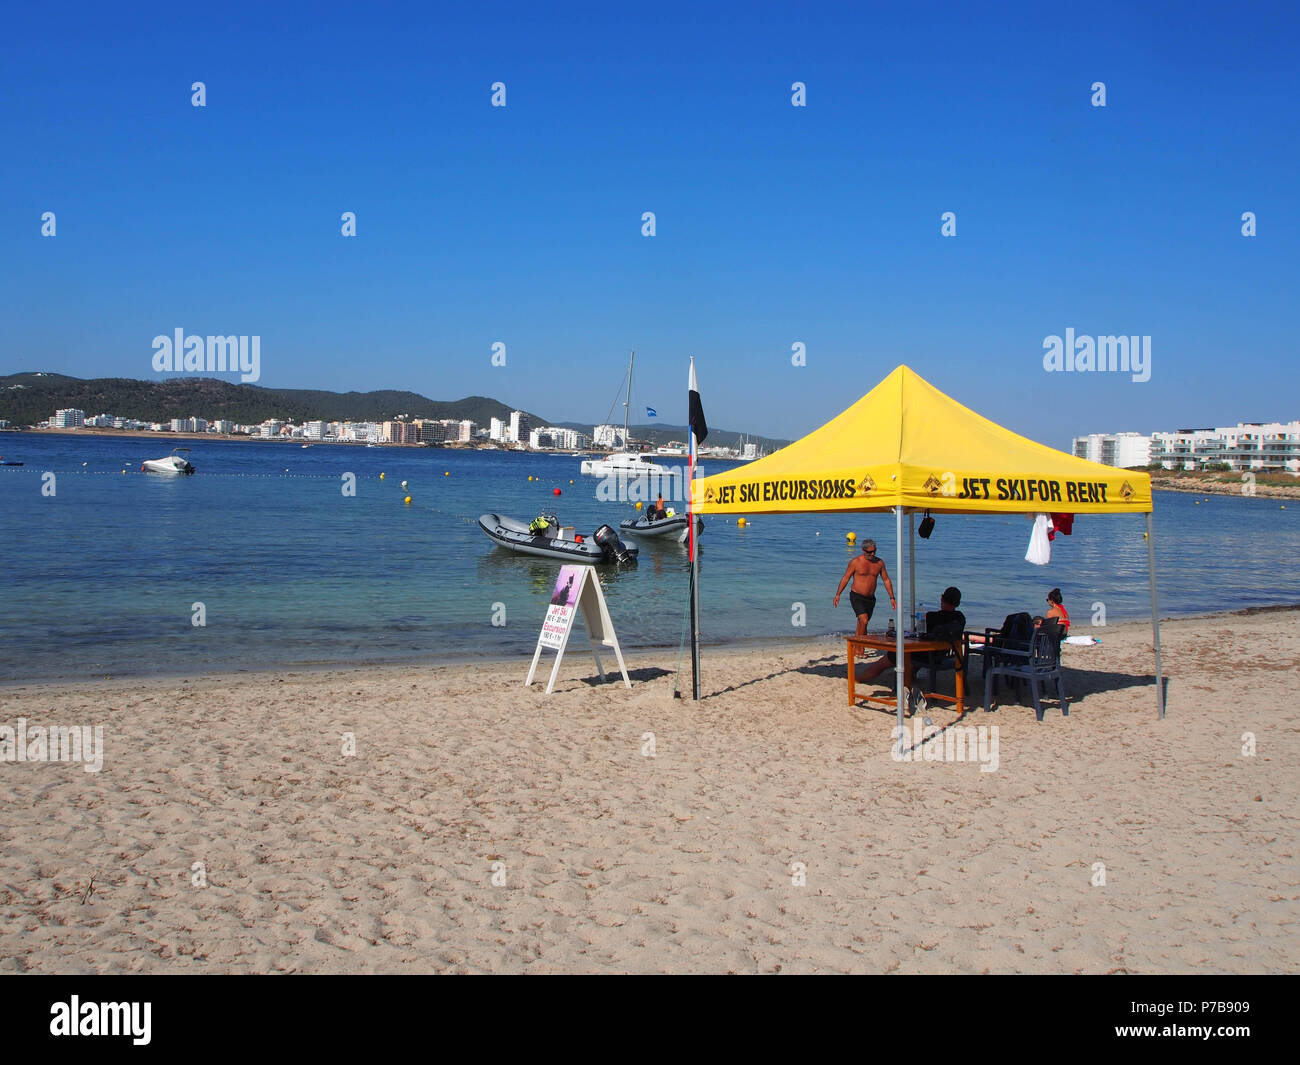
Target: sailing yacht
[{"x": 625, "y": 463}]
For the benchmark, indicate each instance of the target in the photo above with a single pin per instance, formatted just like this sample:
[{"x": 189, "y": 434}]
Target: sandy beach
[{"x": 228, "y": 830}]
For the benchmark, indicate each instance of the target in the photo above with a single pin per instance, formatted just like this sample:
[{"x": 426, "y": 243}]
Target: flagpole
[{"x": 694, "y": 558}]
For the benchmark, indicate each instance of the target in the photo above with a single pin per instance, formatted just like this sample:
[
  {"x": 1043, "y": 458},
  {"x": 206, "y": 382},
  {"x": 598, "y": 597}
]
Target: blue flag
[{"x": 650, "y": 412}]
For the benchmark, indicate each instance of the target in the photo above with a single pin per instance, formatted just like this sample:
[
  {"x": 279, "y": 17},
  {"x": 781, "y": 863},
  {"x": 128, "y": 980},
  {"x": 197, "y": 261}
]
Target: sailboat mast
[{"x": 628, "y": 402}]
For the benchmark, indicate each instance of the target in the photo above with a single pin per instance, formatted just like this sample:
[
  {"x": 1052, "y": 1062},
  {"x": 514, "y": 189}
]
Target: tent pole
[
  {"x": 1155, "y": 617},
  {"x": 695, "y": 577},
  {"x": 898, "y": 623},
  {"x": 911, "y": 562}
]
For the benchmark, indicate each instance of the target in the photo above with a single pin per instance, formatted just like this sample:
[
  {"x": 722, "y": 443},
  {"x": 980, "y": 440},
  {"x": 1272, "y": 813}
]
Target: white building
[
  {"x": 68, "y": 419},
  {"x": 1262, "y": 446},
  {"x": 269, "y": 428},
  {"x": 223, "y": 425},
  {"x": 610, "y": 436},
  {"x": 314, "y": 431},
  {"x": 518, "y": 426},
  {"x": 1124, "y": 450},
  {"x": 465, "y": 431},
  {"x": 359, "y": 432},
  {"x": 556, "y": 437},
  {"x": 497, "y": 430}
]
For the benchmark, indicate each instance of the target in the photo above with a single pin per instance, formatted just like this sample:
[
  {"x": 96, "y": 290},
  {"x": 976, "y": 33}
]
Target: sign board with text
[{"x": 577, "y": 589}]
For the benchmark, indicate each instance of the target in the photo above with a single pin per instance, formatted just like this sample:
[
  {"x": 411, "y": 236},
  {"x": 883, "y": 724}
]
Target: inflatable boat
[
  {"x": 673, "y": 525},
  {"x": 601, "y": 546}
]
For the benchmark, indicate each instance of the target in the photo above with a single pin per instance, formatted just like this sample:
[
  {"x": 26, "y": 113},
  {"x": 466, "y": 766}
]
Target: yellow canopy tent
[{"x": 905, "y": 446}]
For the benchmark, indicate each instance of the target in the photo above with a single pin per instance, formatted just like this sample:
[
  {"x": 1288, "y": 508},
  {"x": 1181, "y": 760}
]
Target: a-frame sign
[{"x": 577, "y": 588}]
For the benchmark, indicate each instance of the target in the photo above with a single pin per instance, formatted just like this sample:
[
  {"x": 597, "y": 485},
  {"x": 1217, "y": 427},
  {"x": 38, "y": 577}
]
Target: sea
[{"x": 261, "y": 560}]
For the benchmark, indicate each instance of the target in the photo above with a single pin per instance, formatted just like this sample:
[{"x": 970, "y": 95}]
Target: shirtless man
[{"x": 864, "y": 570}]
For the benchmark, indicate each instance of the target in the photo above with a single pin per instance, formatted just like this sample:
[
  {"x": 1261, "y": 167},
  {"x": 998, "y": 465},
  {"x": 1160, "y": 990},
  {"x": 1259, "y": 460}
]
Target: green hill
[{"x": 29, "y": 398}]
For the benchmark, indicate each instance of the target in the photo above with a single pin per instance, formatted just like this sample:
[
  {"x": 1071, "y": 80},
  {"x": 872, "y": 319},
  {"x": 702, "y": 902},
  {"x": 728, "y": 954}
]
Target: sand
[{"x": 310, "y": 860}]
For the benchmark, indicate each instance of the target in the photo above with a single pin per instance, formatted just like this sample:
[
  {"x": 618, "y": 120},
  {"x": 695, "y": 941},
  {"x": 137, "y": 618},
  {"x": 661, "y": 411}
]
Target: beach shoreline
[
  {"x": 480, "y": 826},
  {"x": 776, "y": 644}
]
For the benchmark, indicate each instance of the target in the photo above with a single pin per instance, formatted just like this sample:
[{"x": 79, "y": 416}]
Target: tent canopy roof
[{"x": 906, "y": 443}]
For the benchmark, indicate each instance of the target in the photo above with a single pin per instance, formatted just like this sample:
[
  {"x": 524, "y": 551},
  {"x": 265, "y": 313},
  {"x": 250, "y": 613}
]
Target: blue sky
[{"x": 775, "y": 224}]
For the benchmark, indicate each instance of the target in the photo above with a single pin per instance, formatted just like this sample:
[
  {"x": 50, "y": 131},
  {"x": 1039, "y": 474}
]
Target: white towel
[{"x": 1040, "y": 548}]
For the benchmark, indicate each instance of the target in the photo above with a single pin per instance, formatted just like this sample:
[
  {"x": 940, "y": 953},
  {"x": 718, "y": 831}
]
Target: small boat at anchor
[
  {"x": 672, "y": 525},
  {"x": 544, "y": 538},
  {"x": 173, "y": 463}
]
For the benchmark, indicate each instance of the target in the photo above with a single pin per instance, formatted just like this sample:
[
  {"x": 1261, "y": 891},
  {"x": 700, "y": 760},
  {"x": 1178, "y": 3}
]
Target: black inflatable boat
[{"x": 601, "y": 546}]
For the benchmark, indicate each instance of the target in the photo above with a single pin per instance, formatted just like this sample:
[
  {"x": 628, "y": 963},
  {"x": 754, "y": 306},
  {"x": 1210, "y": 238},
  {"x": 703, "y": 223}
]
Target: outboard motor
[{"x": 613, "y": 547}]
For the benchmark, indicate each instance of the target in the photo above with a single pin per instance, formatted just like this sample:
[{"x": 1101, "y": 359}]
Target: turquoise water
[{"x": 102, "y": 578}]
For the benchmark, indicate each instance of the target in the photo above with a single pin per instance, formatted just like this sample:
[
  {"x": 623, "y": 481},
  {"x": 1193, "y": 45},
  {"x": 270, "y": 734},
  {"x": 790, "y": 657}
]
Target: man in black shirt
[{"x": 945, "y": 623}]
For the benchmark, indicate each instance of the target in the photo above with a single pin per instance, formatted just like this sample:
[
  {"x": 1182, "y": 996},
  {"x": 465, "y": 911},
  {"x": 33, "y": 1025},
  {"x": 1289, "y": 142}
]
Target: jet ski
[
  {"x": 173, "y": 463},
  {"x": 672, "y": 525},
  {"x": 541, "y": 537}
]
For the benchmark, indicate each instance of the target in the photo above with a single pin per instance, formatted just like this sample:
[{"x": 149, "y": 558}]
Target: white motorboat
[{"x": 173, "y": 463}]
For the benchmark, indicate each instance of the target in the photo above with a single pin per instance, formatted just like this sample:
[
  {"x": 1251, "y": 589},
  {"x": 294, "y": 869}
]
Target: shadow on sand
[{"x": 1079, "y": 684}]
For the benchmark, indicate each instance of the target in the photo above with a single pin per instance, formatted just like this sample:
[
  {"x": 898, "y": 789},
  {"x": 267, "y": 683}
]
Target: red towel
[{"x": 1063, "y": 523}]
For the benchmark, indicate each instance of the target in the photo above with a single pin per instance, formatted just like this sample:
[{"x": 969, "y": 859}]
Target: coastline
[
  {"x": 739, "y": 645},
  {"x": 1224, "y": 484},
  {"x": 478, "y": 826},
  {"x": 149, "y": 434}
]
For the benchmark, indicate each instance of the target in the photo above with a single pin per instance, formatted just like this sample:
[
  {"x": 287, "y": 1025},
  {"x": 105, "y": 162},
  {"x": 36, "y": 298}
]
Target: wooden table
[{"x": 858, "y": 644}]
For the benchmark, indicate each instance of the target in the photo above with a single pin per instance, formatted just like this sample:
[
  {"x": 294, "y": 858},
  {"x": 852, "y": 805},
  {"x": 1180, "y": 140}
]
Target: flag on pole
[
  {"x": 699, "y": 430},
  {"x": 696, "y": 416},
  {"x": 650, "y": 412}
]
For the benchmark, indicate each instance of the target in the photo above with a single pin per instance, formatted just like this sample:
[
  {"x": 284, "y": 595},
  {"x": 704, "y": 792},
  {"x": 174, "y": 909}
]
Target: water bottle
[
  {"x": 890, "y": 632},
  {"x": 918, "y": 622}
]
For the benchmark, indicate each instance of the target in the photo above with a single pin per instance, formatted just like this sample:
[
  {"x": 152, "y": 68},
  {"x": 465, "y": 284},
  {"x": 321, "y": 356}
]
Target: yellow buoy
[
  {"x": 851, "y": 537},
  {"x": 381, "y": 476},
  {"x": 407, "y": 499},
  {"x": 638, "y": 506},
  {"x": 530, "y": 476},
  {"x": 740, "y": 522},
  {"x": 446, "y": 473}
]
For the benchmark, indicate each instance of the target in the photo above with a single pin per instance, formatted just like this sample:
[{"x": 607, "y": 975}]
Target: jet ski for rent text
[{"x": 544, "y": 537}]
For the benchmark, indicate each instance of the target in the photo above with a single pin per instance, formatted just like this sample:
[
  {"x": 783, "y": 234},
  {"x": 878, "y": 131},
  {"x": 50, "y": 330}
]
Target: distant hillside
[{"x": 28, "y": 398}]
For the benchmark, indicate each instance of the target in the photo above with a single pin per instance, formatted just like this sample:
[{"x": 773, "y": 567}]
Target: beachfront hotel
[
  {"x": 1268, "y": 447},
  {"x": 1124, "y": 450}
]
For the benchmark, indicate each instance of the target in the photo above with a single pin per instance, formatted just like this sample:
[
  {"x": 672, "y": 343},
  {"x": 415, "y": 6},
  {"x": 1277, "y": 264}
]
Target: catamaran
[{"x": 625, "y": 463}]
